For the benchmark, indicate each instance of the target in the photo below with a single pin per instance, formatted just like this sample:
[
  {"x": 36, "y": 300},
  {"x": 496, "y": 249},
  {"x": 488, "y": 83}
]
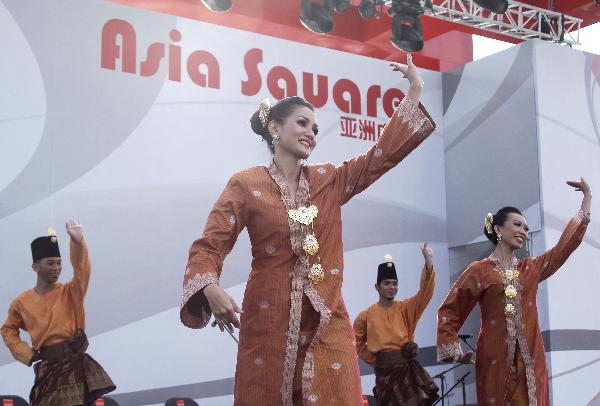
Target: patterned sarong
[
  {"x": 76, "y": 379},
  {"x": 400, "y": 380}
]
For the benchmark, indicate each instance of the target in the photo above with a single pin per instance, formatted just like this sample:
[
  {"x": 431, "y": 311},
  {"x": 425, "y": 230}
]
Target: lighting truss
[{"x": 520, "y": 21}]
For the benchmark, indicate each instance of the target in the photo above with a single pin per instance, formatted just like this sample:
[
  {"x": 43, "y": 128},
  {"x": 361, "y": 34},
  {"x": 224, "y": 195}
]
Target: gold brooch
[
  {"x": 509, "y": 274},
  {"x": 304, "y": 215},
  {"x": 311, "y": 244},
  {"x": 509, "y": 309},
  {"x": 510, "y": 291},
  {"x": 316, "y": 274}
]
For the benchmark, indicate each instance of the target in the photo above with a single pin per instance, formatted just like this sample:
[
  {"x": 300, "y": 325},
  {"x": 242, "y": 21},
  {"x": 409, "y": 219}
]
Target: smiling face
[
  {"x": 387, "y": 289},
  {"x": 297, "y": 133},
  {"x": 48, "y": 269},
  {"x": 514, "y": 231}
]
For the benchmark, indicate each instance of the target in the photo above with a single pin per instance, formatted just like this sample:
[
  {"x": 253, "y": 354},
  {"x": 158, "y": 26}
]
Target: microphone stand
[
  {"x": 464, "y": 391},
  {"x": 464, "y": 339},
  {"x": 442, "y": 376},
  {"x": 214, "y": 324}
]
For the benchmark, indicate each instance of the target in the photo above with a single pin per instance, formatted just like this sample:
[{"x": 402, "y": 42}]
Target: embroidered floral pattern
[
  {"x": 581, "y": 217},
  {"x": 450, "y": 350},
  {"x": 514, "y": 323},
  {"x": 378, "y": 152},
  {"x": 197, "y": 283},
  {"x": 321, "y": 171},
  {"x": 256, "y": 193},
  {"x": 190, "y": 288},
  {"x": 413, "y": 117},
  {"x": 300, "y": 272}
]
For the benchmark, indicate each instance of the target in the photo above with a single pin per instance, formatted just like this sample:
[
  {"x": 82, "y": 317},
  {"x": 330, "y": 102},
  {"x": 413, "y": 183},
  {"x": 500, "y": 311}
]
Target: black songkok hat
[
  {"x": 44, "y": 247},
  {"x": 386, "y": 270}
]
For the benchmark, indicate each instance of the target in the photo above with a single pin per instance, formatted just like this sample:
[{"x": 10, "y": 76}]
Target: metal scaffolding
[{"x": 520, "y": 21}]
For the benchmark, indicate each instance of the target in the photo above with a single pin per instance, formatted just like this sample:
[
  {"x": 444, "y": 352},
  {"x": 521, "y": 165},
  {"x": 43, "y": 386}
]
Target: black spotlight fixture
[
  {"x": 407, "y": 32},
  {"x": 495, "y": 6},
  {"x": 220, "y": 6},
  {"x": 317, "y": 17},
  {"x": 341, "y": 6}
]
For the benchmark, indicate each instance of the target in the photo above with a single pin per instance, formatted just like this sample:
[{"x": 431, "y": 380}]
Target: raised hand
[
  {"x": 428, "y": 255},
  {"x": 582, "y": 186},
  {"x": 466, "y": 358},
  {"x": 75, "y": 230},
  {"x": 409, "y": 71},
  {"x": 223, "y": 307}
]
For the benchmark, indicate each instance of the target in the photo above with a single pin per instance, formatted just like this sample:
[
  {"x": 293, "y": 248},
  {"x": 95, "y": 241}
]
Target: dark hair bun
[{"x": 256, "y": 124}]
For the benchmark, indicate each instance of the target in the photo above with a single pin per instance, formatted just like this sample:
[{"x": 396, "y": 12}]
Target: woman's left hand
[
  {"x": 409, "y": 71},
  {"x": 581, "y": 186}
]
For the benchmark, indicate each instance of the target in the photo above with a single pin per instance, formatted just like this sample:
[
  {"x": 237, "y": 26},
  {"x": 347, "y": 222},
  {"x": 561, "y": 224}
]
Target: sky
[{"x": 589, "y": 37}]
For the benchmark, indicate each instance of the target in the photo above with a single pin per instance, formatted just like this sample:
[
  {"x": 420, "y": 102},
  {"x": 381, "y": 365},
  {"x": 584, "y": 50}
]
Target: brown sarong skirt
[
  {"x": 67, "y": 376},
  {"x": 400, "y": 380}
]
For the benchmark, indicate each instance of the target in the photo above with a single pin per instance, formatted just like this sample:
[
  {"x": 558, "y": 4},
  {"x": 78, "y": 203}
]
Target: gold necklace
[
  {"x": 306, "y": 216},
  {"x": 508, "y": 275}
]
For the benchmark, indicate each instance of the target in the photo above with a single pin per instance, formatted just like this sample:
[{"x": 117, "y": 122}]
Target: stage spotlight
[
  {"x": 341, "y": 5},
  {"x": 407, "y": 32},
  {"x": 317, "y": 17},
  {"x": 495, "y": 6},
  {"x": 220, "y": 6},
  {"x": 367, "y": 9}
]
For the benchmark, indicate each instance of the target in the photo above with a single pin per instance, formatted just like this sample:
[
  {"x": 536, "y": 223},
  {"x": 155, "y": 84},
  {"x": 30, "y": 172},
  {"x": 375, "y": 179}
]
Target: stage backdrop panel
[{"x": 568, "y": 115}]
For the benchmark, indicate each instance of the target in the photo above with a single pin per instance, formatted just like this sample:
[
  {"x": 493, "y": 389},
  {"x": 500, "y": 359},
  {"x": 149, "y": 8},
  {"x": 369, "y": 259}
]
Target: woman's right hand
[
  {"x": 223, "y": 307},
  {"x": 466, "y": 358}
]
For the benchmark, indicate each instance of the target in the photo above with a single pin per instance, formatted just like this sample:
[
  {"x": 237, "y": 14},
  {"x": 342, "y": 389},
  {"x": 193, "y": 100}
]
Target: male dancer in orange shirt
[
  {"x": 384, "y": 338},
  {"x": 53, "y": 315}
]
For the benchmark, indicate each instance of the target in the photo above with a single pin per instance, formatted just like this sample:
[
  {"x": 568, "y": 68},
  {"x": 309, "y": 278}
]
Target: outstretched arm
[
  {"x": 80, "y": 259},
  {"x": 415, "y": 305},
  {"x": 452, "y": 314},
  {"x": 550, "y": 261},
  {"x": 408, "y": 127}
]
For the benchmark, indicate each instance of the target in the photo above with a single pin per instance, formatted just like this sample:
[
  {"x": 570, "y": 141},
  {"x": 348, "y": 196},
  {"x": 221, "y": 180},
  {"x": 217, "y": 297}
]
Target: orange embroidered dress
[
  {"x": 509, "y": 318},
  {"x": 280, "y": 351}
]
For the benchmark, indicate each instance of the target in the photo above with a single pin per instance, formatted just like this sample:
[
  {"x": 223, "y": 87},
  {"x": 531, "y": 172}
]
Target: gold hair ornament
[
  {"x": 489, "y": 219},
  {"x": 263, "y": 112}
]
